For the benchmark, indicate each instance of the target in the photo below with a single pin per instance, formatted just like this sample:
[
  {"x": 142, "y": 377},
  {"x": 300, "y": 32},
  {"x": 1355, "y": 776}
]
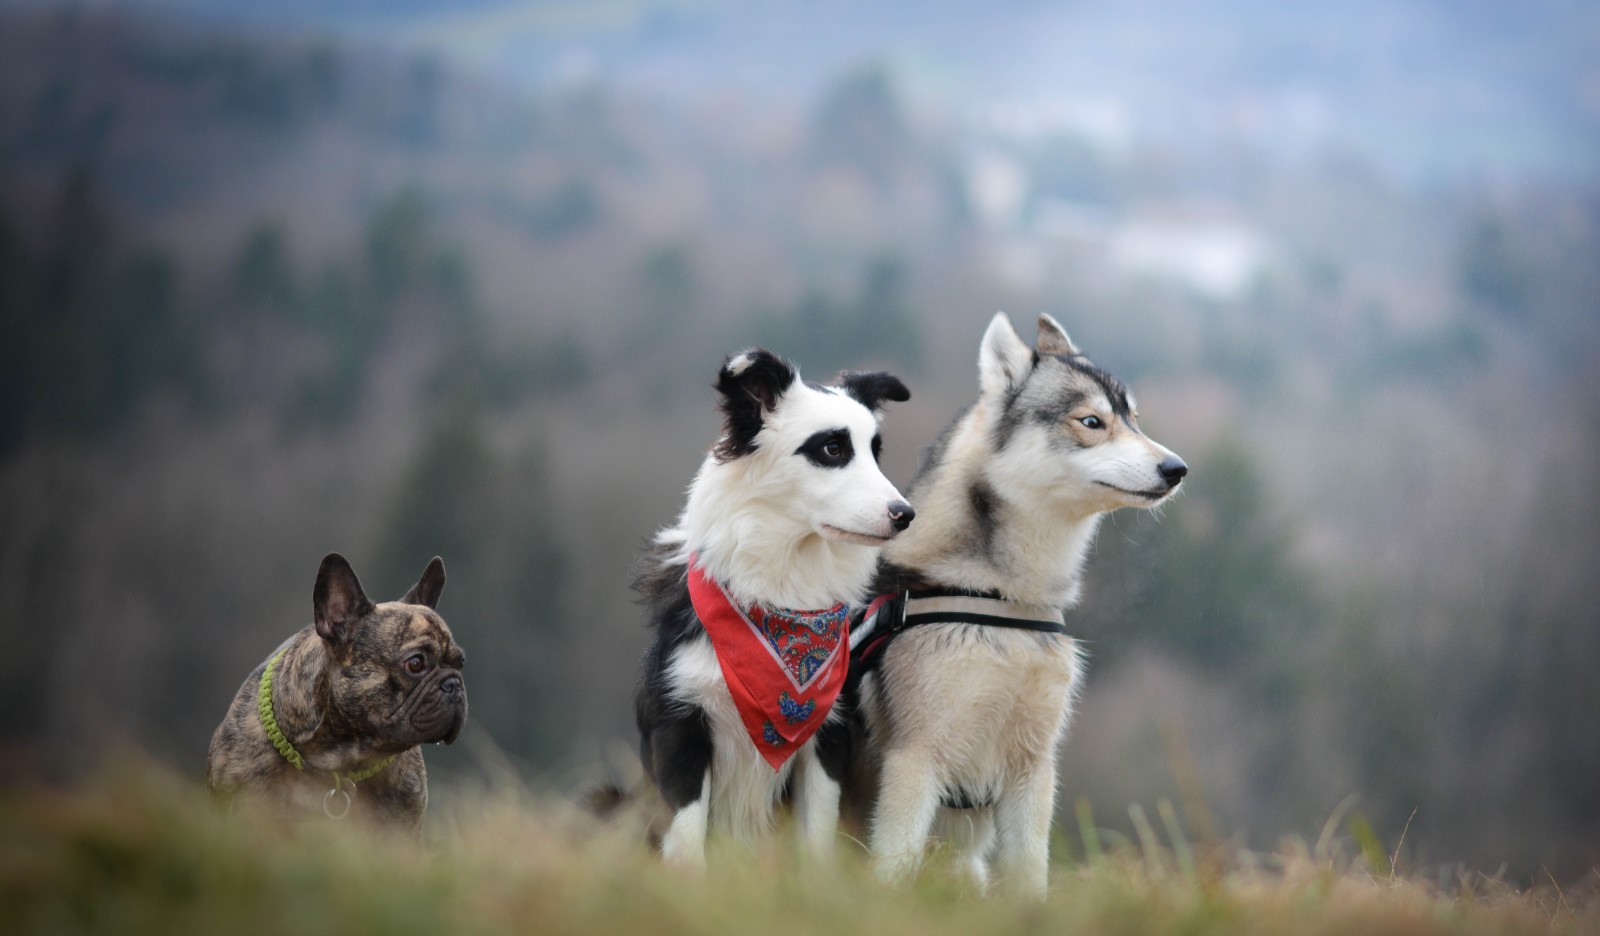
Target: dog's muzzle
[{"x": 442, "y": 713}]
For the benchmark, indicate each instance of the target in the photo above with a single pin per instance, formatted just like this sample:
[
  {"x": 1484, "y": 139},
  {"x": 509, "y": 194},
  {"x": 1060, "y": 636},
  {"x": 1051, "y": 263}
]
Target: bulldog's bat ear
[
  {"x": 338, "y": 600},
  {"x": 427, "y": 589},
  {"x": 1003, "y": 360},
  {"x": 751, "y": 383},
  {"x": 1053, "y": 338},
  {"x": 873, "y": 389}
]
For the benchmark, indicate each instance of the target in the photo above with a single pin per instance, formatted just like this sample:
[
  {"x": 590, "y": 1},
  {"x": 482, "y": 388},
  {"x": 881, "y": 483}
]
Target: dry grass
[{"x": 141, "y": 852}]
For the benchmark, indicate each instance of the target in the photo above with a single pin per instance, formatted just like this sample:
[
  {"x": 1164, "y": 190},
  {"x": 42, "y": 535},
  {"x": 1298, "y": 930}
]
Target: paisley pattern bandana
[{"x": 784, "y": 669}]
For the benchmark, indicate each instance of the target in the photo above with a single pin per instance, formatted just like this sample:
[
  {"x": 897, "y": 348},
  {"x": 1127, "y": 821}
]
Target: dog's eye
[
  {"x": 829, "y": 448},
  {"x": 416, "y": 663},
  {"x": 1092, "y": 422}
]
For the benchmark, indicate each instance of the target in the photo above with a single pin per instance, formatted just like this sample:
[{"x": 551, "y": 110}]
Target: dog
[
  {"x": 788, "y": 511},
  {"x": 332, "y": 721},
  {"x": 963, "y": 673}
]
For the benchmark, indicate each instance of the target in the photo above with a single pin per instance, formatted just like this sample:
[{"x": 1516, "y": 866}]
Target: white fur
[
  {"x": 767, "y": 525},
  {"x": 982, "y": 710},
  {"x": 775, "y": 529}
]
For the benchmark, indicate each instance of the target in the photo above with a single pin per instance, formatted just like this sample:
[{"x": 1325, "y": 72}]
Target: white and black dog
[
  {"x": 964, "y": 675},
  {"x": 788, "y": 511}
]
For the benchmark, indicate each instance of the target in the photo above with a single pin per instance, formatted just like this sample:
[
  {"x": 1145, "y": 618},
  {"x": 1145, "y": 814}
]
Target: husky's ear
[
  {"x": 1003, "y": 360},
  {"x": 1053, "y": 338},
  {"x": 427, "y": 589},
  {"x": 871, "y": 389},
  {"x": 337, "y": 600},
  {"x": 750, "y": 383}
]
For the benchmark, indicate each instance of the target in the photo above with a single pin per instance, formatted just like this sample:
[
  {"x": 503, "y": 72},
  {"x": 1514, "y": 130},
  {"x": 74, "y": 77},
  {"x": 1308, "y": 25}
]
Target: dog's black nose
[
  {"x": 1172, "y": 470},
  {"x": 450, "y": 685},
  {"x": 901, "y": 514}
]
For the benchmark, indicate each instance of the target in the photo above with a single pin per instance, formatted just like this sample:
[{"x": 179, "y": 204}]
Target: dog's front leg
[
  {"x": 908, "y": 799},
  {"x": 1022, "y": 821},
  {"x": 816, "y": 806},
  {"x": 684, "y": 844}
]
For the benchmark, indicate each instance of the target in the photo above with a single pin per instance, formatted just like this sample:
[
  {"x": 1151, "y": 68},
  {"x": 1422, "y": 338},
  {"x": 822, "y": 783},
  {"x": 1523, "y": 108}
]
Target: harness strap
[{"x": 893, "y": 614}]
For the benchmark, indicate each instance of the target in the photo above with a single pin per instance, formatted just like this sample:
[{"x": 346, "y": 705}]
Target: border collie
[{"x": 748, "y": 596}]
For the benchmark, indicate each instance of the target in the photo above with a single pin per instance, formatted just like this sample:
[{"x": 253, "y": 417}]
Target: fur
[
  {"x": 788, "y": 510},
  {"x": 345, "y": 700},
  {"x": 963, "y": 715}
]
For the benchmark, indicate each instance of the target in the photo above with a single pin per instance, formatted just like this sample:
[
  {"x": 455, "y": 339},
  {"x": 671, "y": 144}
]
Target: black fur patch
[
  {"x": 747, "y": 397},
  {"x": 872, "y": 388},
  {"x": 830, "y": 448},
  {"x": 981, "y": 498},
  {"x": 834, "y": 748},
  {"x": 1116, "y": 390},
  {"x": 675, "y": 744},
  {"x": 1011, "y": 416}
]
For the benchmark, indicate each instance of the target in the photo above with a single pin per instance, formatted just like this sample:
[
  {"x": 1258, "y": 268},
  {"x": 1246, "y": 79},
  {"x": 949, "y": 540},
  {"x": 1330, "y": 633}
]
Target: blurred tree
[
  {"x": 1215, "y": 585},
  {"x": 1492, "y": 270},
  {"x": 571, "y": 208},
  {"x": 400, "y": 246},
  {"x": 821, "y": 331},
  {"x": 859, "y": 124},
  {"x": 263, "y": 270},
  {"x": 97, "y": 327},
  {"x": 1069, "y": 168},
  {"x": 418, "y": 121},
  {"x": 659, "y": 331},
  {"x": 883, "y": 313},
  {"x": 492, "y": 520}
]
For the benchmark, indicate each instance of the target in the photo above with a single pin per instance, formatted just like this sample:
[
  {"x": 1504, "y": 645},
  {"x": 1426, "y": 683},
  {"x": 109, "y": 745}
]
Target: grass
[{"x": 140, "y": 851}]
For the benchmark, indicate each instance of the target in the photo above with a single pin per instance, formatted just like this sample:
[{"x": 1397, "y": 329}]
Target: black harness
[{"x": 889, "y": 616}]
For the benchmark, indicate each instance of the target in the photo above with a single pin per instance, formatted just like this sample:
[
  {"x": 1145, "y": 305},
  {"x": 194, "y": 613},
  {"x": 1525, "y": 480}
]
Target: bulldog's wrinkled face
[{"x": 396, "y": 669}]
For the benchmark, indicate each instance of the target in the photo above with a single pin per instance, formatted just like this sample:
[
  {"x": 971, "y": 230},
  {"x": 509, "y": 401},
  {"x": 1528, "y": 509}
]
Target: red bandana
[{"x": 783, "y": 668}]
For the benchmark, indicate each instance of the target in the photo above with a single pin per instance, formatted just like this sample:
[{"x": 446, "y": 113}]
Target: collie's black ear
[
  {"x": 337, "y": 600},
  {"x": 750, "y": 383},
  {"x": 873, "y": 388},
  {"x": 428, "y": 588}
]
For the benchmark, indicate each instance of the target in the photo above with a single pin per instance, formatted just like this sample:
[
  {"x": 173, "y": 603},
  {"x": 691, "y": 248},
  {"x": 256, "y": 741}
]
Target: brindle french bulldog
[{"x": 352, "y": 696}]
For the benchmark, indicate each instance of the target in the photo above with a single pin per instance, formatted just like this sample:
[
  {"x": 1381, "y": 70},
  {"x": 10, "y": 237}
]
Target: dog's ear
[
  {"x": 751, "y": 382},
  {"x": 1053, "y": 338},
  {"x": 338, "y": 600},
  {"x": 873, "y": 388},
  {"x": 1003, "y": 360},
  {"x": 427, "y": 589}
]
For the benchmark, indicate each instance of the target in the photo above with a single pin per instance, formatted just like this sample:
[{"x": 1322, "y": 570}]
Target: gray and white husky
[{"x": 964, "y": 674}]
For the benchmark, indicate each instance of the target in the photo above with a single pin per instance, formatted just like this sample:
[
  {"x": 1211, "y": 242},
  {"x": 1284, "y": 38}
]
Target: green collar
[{"x": 269, "y": 721}]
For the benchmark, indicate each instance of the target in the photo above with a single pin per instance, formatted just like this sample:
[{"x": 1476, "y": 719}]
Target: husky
[
  {"x": 963, "y": 672},
  {"x": 789, "y": 510}
]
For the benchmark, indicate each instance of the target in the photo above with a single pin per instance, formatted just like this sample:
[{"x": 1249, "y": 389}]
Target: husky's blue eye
[{"x": 1092, "y": 422}]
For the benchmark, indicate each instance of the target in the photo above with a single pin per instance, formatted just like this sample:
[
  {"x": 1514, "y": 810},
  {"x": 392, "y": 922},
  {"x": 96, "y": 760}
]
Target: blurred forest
[{"x": 271, "y": 293}]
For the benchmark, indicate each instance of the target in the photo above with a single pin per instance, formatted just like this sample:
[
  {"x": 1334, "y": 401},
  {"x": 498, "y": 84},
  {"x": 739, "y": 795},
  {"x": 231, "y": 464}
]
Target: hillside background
[{"x": 405, "y": 278}]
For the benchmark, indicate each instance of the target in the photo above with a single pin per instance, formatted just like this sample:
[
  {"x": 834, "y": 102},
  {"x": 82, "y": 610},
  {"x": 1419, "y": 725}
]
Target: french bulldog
[{"x": 331, "y": 723}]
